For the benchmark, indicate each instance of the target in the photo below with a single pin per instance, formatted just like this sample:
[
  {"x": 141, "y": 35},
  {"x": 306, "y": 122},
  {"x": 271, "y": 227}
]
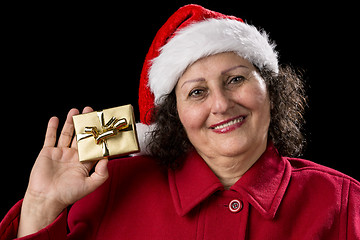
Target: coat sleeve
[
  {"x": 353, "y": 213},
  {"x": 83, "y": 221},
  {"x": 9, "y": 226}
]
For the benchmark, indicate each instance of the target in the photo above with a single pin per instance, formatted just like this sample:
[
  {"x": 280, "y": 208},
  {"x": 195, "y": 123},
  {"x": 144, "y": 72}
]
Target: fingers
[
  {"x": 101, "y": 170},
  {"x": 68, "y": 129},
  {"x": 67, "y": 132},
  {"x": 98, "y": 177},
  {"x": 89, "y": 165},
  {"x": 86, "y": 110},
  {"x": 50, "y": 136}
]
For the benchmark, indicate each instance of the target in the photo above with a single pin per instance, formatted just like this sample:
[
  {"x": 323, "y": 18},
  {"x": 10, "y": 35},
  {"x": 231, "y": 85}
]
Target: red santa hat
[{"x": 190, "y": 34}]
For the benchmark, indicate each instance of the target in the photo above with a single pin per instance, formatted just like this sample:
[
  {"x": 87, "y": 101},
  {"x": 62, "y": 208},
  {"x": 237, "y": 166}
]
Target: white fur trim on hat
[{"x": 207, "y": 38}]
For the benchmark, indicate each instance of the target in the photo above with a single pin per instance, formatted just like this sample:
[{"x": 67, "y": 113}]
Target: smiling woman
[
  {"x": 221, "y": 114},
  {"x": 230, "y": 76},
  {"x": 229, "y": 118}
]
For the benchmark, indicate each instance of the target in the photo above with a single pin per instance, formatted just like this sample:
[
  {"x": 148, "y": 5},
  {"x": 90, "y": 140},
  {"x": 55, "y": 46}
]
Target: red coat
[{"x": 277, "y": 198}]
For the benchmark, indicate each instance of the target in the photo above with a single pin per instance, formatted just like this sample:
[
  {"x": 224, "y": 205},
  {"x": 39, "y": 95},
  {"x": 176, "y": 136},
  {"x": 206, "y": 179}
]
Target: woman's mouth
[{"x": 228, "y": 125}]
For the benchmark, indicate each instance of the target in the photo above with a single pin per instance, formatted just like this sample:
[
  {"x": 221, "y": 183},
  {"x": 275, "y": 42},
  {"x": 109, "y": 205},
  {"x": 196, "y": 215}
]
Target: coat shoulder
[
  {"x": 135, "y": 163},
  {"x": 311, "y": 170},
  {"x": 136, "y": 170}
]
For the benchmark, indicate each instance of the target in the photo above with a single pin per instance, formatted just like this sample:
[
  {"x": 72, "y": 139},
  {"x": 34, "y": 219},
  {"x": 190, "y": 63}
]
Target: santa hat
[{"x": 190, "y": 34}]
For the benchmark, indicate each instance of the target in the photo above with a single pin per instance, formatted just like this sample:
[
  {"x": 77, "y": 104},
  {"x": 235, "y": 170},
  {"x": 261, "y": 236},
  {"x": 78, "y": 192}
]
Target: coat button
[{"x": 235, "y": 206}]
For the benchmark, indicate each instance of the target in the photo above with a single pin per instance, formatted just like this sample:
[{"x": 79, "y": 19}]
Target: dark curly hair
[{"x": 288, "y": 102}]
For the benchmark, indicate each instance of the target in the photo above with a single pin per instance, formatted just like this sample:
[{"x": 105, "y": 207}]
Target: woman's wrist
[{"x": 37, "y": 213}]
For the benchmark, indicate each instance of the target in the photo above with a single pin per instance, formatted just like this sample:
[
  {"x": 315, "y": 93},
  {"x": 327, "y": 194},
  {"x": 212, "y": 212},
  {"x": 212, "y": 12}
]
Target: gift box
[{"x": 108, "y": 133}]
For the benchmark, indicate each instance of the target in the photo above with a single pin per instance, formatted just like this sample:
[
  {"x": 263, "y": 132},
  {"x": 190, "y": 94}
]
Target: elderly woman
[{"x": 218, "y": 116}]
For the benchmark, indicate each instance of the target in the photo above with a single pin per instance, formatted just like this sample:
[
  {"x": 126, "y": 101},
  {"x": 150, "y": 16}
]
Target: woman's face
[{"x": 224, "y": 106}]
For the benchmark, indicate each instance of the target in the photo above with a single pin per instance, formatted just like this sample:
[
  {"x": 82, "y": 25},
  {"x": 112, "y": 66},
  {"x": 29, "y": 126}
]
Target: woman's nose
[{"x": 221, "y": 102}]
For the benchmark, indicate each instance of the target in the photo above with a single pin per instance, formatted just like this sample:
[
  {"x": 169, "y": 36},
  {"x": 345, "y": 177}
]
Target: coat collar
[{"x": 263, "y": 185}]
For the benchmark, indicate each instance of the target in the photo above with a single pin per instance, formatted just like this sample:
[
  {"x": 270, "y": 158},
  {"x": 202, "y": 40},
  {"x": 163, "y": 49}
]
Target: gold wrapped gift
[{"x": 109, "y": 133}]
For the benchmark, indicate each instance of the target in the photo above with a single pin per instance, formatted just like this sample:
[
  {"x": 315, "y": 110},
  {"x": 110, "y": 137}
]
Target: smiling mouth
[{"x": 228, "y": 125}]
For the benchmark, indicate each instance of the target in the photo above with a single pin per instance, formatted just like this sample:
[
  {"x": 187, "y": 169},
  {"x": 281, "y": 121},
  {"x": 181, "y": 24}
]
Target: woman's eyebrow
[
  {"x": 193, "y": 80},
  {"x": 232, "y": 68},
  {"x": 222, "y": 73}
]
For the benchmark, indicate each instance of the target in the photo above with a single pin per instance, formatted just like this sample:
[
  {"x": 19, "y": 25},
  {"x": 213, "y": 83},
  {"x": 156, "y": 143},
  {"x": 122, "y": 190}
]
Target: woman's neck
[{"x": 230, "y": 169}]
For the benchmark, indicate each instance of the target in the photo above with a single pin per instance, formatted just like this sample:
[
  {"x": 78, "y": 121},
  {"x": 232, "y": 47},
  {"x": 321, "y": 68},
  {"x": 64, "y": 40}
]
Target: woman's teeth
[{"x": 240, "y": 119}]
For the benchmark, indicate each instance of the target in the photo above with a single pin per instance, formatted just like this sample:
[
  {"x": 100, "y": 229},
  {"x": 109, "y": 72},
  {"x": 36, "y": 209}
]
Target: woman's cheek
[
  {"x": 255, "y": 95},
  {"x": 192, "y": 117}
]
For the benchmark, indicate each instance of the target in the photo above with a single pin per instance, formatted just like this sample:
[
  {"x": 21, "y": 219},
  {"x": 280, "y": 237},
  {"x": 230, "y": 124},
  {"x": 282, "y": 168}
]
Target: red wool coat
[{"x": 277, "y": 198}]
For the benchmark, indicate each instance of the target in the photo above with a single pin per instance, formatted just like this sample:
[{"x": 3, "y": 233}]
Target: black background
[{"x": 58, "y": 56}]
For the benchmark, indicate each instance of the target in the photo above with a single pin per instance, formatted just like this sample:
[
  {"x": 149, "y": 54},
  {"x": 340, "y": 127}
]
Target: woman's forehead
[{"x": 221, "y": 64}]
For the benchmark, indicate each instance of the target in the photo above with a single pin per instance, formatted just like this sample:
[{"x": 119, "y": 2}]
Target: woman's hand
[{"x": 58, "y": 179}]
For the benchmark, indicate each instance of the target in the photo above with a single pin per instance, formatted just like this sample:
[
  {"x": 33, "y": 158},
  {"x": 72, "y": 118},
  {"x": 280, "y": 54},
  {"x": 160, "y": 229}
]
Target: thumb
[{"x": 99, "y": 176}]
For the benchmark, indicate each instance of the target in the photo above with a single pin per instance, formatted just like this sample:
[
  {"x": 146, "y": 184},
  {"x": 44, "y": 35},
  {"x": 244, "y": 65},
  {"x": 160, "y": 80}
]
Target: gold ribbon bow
[{"x": 112, "y": 128}]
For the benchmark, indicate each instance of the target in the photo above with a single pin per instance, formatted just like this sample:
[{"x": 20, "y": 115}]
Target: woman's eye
[
  {"x": 237, "y": 79},
  {"x": 196, "y": 93}
]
